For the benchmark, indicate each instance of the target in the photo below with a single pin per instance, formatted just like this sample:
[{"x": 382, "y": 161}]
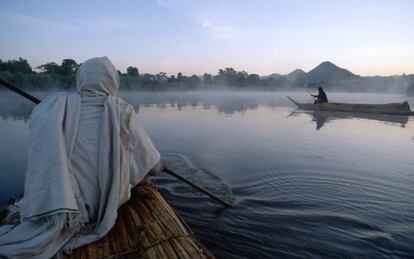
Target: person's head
[
  {"x": 320, "y": 89},
  {"x": 98, "y": 76}
]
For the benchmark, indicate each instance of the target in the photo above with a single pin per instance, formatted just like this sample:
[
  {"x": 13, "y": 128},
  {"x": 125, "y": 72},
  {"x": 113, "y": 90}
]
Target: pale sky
[{"x": 367, "y": 37}]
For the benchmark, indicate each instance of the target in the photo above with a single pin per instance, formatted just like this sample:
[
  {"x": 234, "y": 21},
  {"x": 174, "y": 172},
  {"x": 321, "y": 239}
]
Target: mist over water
[{"x": 304, "y": 184}]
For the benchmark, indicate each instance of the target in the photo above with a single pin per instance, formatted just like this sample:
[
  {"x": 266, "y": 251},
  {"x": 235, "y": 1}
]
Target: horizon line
[{"x": 123, "y": 69}]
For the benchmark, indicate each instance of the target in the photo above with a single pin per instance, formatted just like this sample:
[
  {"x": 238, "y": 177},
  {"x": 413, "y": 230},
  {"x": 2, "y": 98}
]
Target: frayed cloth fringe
[
  {"x": 71, "y": 221},
  {"x": 63, "y": 219}
]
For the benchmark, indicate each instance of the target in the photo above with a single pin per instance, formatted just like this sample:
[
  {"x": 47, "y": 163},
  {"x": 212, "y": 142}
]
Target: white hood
[{"x": 98, "y": 75}]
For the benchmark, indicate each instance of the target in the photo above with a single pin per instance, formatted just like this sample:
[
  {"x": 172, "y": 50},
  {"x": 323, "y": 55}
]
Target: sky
[{"x": 367, "y": 37}]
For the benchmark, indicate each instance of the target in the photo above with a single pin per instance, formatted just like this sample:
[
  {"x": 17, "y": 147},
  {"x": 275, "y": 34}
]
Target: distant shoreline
[{"x": 327, "y": 75}]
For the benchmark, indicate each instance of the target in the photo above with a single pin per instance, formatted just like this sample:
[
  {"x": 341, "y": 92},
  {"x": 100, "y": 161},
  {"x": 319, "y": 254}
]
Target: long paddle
[
  {"x": 308, "y": 92},
  {"x": 199, "y": 188},
  {"x": 19, "y": 91},
  {"x": 195, "y": 186}
]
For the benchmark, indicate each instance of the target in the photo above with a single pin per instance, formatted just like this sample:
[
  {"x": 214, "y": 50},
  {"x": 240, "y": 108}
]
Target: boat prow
[
  {"x": 293, "y": 101},
  {"x": 146, "y": 227}
]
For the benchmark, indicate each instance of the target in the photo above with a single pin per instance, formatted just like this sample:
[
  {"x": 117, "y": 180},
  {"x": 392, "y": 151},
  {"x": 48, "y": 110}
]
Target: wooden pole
[
  {"x": 19, "y": 91},
  {"x": 195, "y": 186}
]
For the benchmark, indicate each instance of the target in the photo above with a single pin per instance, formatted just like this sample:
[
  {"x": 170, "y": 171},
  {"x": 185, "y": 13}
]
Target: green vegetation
[
  {"x": 329, "y": 76},
  {"x": 63, "y": 76},
  {"x": 51, "y": 75}
]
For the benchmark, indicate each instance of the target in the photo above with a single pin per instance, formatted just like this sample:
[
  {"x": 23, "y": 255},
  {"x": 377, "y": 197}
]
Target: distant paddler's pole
[
  {"x": 19, "y": 91},
  {"x": 199, "y": 188},
  {"x": 195, "y": 186},
  {"x": 308, "y": 91}
]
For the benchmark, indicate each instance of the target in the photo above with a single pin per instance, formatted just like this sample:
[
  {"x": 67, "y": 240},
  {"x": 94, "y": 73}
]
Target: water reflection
[
  {"x": 345, "y": 190},
  {"x": 17, "y": 107},
  {"x": 323, "y": 117},
  {"x": 13, "y": 106},
  {"x": 226, "y": 103},
  {"x": 18, "y": 110}
]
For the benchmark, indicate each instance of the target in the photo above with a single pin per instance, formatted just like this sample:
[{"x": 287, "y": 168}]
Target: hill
[
  {"x": 297, "y": 76},
  {"x": 327, "y": 71}
]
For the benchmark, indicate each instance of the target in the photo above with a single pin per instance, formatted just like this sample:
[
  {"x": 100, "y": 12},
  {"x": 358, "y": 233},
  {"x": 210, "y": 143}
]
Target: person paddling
[
  {"x": 86, "y": 151},
  {"x": 321, "y": 97}
]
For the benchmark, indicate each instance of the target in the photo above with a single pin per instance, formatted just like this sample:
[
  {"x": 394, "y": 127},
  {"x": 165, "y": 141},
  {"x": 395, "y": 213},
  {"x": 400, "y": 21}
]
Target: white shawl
[{"x": 52, "y": 198}]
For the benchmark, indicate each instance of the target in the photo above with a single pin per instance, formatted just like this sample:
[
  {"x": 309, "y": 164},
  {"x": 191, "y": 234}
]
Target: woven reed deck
[{"x": 147, "y": 227}]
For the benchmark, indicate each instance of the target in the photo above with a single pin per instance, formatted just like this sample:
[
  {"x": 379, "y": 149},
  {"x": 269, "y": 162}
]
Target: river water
[{"x": 322, "y": 185}]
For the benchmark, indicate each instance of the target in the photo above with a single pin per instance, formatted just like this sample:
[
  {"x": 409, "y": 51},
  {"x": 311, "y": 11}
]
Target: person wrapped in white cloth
[{"x": 86, "y": 151}]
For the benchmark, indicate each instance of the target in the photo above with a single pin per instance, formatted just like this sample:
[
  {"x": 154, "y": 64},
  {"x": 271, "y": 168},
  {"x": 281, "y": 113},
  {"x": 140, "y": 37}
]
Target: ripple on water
[
  {"x": 291, "y": 213},
  {"x": 342, "y": 191}
]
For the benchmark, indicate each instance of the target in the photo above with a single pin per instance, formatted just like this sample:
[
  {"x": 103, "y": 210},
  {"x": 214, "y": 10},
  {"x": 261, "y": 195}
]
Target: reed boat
[
  {"x": 146, "y": 227},
  {"x": 387, "y": 109}
]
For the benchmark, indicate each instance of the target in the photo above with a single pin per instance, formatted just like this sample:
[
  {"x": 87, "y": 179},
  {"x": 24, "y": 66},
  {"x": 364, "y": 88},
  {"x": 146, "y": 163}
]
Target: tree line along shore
[{"x": 52, "y": 76}]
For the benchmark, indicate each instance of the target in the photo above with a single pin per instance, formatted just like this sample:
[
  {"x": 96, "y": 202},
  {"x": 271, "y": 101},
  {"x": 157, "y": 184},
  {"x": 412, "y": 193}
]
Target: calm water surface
[{"x": 324, "y": 185}]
